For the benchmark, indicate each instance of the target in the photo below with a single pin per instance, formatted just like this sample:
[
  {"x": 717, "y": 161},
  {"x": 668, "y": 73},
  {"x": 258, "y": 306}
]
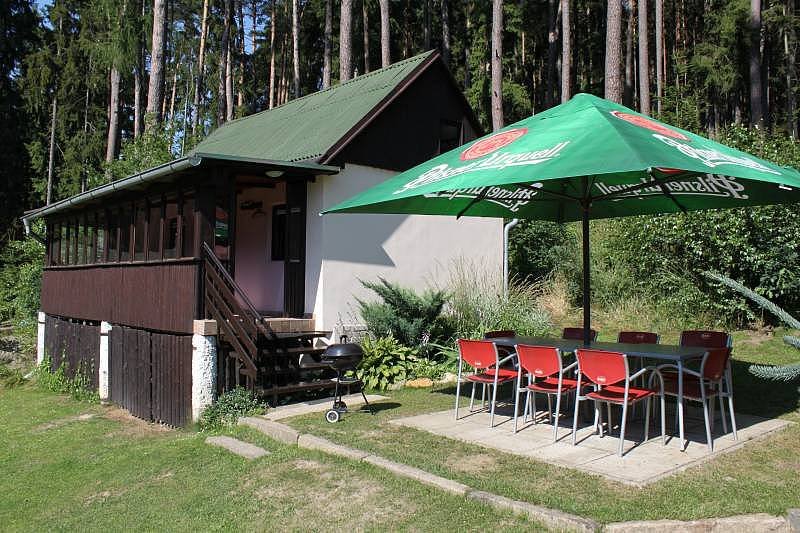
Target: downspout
[
  {"x": 506, "y": 230},
  {"x": 30, "y": 233}
]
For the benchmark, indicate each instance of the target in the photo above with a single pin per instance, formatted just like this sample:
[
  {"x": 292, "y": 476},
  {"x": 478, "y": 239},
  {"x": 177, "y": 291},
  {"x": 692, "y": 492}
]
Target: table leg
[{"x": 680, "y": 403}]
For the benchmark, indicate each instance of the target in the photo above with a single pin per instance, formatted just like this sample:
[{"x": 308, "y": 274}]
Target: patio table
[{"x": 668, "y": 353}]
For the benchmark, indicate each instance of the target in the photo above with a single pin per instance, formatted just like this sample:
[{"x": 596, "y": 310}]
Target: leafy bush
[
  {"x": 536, "y": 248},
  {"x": 20, "y": 279},
  {"x": 410, "y": 318},
  {"x": 229, "y": 407},
  {"x": 385, "y": 362},
  {"x": 79, "y": 387},
  {"x": 428, "y": 368},
  {"x": 10, "y": 377}
]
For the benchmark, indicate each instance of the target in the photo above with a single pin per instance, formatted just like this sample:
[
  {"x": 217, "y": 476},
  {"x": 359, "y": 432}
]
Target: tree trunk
[
  {"x": 386, "y": 59},
  {"x": 756, "y": 92},
  {"x": 552, "y": 51},
  {"x": 659, "y": 53},
  {"x": 426, "y": 24},
  {"x": 566, "y": 52},
  {"x": 467, "y": 53},
  {"x": 155, "y": 90},
  {"x": 613, "y": 83},
  {"x": 345, "y": 41},
  {"x": 113, "y": 116},
  {"x": 172, "y": 96},
  {"x": 272, "y": 56},
  {"x": 446, "y": 32},
  {"x": 644, "y": 60},
  {"x": 137, "y": 102},
  {"x": 627, "y": 98},
  {"x": 365, "y": 27},
  {"x": 229, "y": 106},
  {"x": 497, "y": 64},
  {"x": 240, "y": 88},
  {"x": 201, "y": 65},
  {"x": 326, "y": 60},
  {"x": 224, "y": 51},
  {"x": 295, "y": 49},
  {"x": 789, "y": 46},
  {"x": 52, "y": 154}
]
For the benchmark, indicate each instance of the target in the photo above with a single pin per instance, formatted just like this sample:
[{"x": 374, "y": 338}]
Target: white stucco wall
[{"x": 416, "y": 251}]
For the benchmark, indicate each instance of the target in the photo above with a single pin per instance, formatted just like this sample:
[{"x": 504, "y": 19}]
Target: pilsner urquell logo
[
  {"x": 494, "y": 160},
  {"x": 708, "y": 185}
]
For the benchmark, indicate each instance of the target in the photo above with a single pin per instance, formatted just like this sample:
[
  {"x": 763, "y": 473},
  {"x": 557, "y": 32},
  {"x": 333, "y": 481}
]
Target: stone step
[{"x": 238, "y": 447}]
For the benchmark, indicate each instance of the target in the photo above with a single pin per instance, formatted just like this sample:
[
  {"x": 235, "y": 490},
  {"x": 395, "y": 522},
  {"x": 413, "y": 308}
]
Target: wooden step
[
  {"x": 295, "y": 387},
  {"x": 302, "y": 335}
]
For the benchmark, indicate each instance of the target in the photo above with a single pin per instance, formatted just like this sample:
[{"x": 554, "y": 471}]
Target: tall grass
[{"x": 476, "y": 304}]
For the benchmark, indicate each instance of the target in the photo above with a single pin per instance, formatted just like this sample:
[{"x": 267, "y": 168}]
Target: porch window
[
  {"x": 187, "y": 229},
  {"x": 113, "y": 236},
  {"x": 139, "y": 232},
  {"x": 279, "y": 220},
  {"x": 170, "y": 227},
  {"x": 65, "y": 243},
  {"x": 91, "y": 236},
  {"x": 81, "y": 243},
  {"x": 100, "y": 249},
  {"x": 154, "y": 230},
  {"x": 55, "y": 244},
  {"x": 125, "y": 234}
]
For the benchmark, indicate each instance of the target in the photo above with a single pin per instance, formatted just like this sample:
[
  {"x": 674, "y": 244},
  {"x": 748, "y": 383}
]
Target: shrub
[
  {"x": 20, "y": 279},
  {"x": 410, "y": 318},
  {"x": 428, "y": 368},
  {"x": 10, "y": 377},
  {"x": 385, "y": 362},
  {"x": 229, "y": 407},
  {"x": 79, "y": 387}
]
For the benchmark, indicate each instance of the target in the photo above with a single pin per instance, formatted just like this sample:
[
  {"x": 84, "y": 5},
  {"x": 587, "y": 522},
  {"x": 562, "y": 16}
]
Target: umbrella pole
[{"x": 587, "y": 315}]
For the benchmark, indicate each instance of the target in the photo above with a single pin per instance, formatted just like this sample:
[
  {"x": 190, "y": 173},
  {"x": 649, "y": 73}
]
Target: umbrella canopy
[{"x": 585, "y": 159}]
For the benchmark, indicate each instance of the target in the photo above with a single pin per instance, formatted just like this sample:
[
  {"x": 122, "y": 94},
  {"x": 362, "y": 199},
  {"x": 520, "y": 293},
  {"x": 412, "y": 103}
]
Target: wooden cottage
[{"x": 232, "y": 232}]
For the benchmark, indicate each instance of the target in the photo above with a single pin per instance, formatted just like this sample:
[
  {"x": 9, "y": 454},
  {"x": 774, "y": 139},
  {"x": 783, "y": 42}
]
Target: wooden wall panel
[
  {"x": 75, "y": 346},
  {"x": 159, "y": 297}
]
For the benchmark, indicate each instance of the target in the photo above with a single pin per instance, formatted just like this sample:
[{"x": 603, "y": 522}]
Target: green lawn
[
  {"x": 762, "y": 477},
  {"x": 112, "y": 473}
]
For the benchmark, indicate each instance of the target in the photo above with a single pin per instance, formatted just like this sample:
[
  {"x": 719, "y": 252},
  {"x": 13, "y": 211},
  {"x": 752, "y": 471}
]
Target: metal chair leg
[
  {"x": 708, "y": 425},
  {"x": 622, "y": 429},
  {"x": 556, "y": 417},
  {"x": 647, "y": 418},
  {"x": 733, "y": 417},
  {"x": 575, "y": 418}
]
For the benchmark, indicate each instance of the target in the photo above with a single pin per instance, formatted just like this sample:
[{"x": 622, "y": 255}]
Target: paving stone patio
[{"x": 642, "y": 464}]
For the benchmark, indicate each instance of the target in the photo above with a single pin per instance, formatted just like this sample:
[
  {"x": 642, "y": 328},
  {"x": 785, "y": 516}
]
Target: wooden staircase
[{"x": 251, "y": 353}]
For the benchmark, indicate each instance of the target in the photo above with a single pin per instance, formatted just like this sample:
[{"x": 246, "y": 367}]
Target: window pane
[
  {"x": 171, "y": 227},
  {"x": 125, "y": 234},
  {"x": 64, "y": 244},
  {"x": 221, "y": 241},
  {"x": 154, "y": 231},
  {"x": 100, "y": 249},
  {"x": 139, "y": 232},
  {"x": 113, "y": 241},
  {"x": 81, "y": 243},
  {"x": 90, "y": 235},
  {"x": 188, "y": 226}
]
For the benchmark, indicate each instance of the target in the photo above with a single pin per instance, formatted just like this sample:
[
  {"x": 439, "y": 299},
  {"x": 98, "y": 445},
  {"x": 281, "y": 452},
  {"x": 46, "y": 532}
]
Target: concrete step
[{"x": 238, "y": 447}]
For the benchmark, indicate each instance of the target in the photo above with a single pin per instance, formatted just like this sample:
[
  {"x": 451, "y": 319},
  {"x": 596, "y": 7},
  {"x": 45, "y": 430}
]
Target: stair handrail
[{"x": 250, "y": 309}]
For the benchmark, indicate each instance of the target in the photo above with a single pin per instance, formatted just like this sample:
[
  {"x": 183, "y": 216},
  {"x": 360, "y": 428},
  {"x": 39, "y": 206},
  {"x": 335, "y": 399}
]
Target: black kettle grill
[{"x": 341, "y": 358}]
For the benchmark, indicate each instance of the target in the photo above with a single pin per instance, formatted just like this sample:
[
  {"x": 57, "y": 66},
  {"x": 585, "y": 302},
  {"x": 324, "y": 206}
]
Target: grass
[
  {"x": 763, "y": 476},
  {"x": 70, "y": 465}
]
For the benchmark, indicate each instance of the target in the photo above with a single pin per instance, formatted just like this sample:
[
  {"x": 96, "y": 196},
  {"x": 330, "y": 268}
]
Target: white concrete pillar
[
  {"x": 104, "y": 388},
  {"x": 204, "y": 365},
  {"x": 40, "y": 337}
]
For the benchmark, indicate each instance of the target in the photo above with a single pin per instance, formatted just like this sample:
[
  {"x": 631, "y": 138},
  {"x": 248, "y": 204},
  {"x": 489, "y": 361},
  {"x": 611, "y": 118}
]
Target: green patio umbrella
[{"x": 585, "y": 159}]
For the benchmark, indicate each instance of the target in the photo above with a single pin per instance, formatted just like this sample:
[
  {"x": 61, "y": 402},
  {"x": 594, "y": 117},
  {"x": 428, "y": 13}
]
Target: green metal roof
[{"x": 308, "y": 127}]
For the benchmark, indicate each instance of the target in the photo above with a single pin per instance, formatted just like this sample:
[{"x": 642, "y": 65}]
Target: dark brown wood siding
[
  {"x": 160, "y": 297},
  {"x": 74, "y": 346},
  {"x": 151, "y": 374}
]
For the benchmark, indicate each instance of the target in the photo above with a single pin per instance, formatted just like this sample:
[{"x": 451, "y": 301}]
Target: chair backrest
[
  {"x": 576, "y": 334},
  {"x": 478, "y": 354},
  {"x": 637, "y": 337},
  {"x": 714, "y": 363},
  {"x": 602, "y": 367},
  {"x": 499, "y": 334},
  {"x": 705, "y": 339},
  {"x": 541, "y": 361}
]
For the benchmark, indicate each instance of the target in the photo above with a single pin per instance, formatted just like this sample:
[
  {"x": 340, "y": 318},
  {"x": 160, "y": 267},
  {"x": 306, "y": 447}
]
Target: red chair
[
  {"x": 607, "y": 371},
  {"x": 545, "y": 371},
  {"x": 638, "y": 337},
  {"x": 705, "y": 386},
  {"x": 706, "y": 339},
  {"x": 576, "y": 334},
  {"x": 482, "y": 356}
]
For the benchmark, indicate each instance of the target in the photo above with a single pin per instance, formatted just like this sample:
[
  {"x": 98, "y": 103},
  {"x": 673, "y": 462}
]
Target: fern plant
[{"x": 778, "y": 373}]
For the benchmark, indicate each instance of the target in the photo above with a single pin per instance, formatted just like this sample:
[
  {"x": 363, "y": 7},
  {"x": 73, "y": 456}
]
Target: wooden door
[{"x": 294, "y": 271}]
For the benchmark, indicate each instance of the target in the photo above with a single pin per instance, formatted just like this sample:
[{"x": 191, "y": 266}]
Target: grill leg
[{"x": 366, "y": 402}]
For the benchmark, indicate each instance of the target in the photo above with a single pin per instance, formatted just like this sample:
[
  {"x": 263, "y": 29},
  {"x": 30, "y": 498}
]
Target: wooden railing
[{"x": 238, "y": 320}]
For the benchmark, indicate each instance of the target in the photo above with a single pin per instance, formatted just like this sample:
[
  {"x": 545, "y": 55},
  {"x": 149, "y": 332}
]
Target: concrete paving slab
[
  {"x": 238, "y": 447},
  {"x": 273, "y": 430},
  {"x": 642, "y": 464},
  {"x": 318, "y": 406}
]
